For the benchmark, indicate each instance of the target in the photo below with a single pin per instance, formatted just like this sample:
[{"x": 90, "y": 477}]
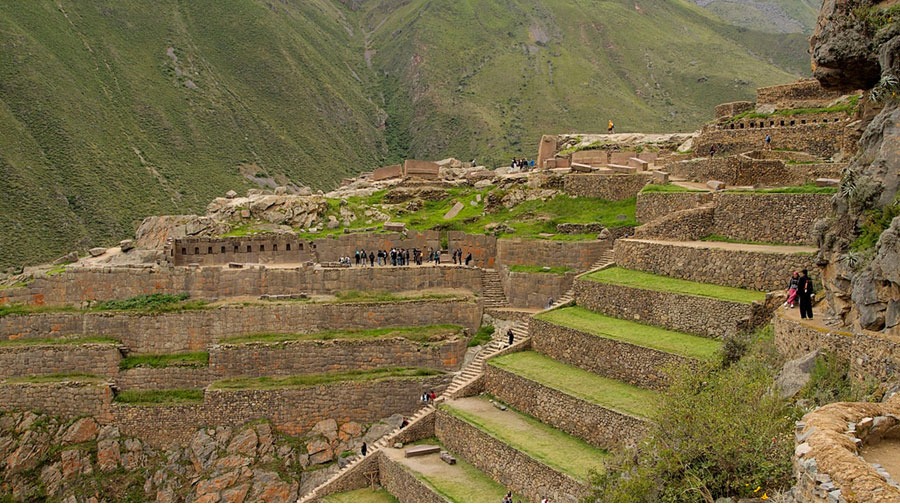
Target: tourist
[
  {"x": 712, "y": 150},
  {"x": 357, "y": 257},
  {"x": 531, "y": 164},
  {"x": 792, "y": 288},
  {"x": 768, "y": 144},
  {"x": 468, "y": 257},
  {"x": 805, "y": 292},
  {"x": 507, "y": 497},
  {"x": 511, "y": 335},
  {"x": 364, "y": 449},
  {"x": 372, "y": 259},
  {"x": 610, "y": 128},
  {"x": 425, "y": 397},
  {"x": 431, "y": 395}
]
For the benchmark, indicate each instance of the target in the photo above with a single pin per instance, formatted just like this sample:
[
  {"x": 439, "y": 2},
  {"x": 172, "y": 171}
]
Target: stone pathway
[{"x": 743, "y": 247}]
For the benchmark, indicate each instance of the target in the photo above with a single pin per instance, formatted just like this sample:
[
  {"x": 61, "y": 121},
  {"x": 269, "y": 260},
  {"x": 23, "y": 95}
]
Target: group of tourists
[
  {"x": 458, "y": 257},
  {"x": 800, "y": 291},
  {"x": 399, "y": 256},
  {"x": 521, "y": 164}
]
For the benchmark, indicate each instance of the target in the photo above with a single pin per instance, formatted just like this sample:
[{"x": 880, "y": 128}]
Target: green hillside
[
  {"x": 112, "y": 111},
  {"x": 770, "y": 16}
]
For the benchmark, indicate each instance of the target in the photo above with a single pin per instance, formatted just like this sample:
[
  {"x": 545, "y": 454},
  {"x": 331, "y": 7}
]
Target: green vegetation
[
  {"x": 367, "y": 494},
  {"x": 830, "y": 382},
  {"x": 151, "y": 303},
  {"x": 649, "y": 281},
  {"x": 355, "y": 296},
  {"x": 281, "y": 382},
  {"x": 720, "y": 432},
  {"x": 70, "y": 340},
  {"x": 847, "y": 107},
  {"x": 466, "y": 483},
  {"x": 611, "y": 394},
  {"x": 186, "y": 359},
  {"x": 21, "y": 309},
  {"x": 804, "y": 189},
  {"x": 527, "y": 268},
  {"x": 553, "y": 447},
  {"x": 647, "y": 336},
  {"x": 668, "y": 188},
  {"x": 420, "y": 334},
  {"x": 167, "y": 397},
  {"x": 484, "y": 334},
  {"x": 873, "y": 222},
  {"x": 56, "y": 378}
]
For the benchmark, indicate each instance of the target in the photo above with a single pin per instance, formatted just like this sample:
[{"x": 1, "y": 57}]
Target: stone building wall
[
  {"x": 872, "y": 356},
  {"x": 744, "y": 269},
  {"x": 776, "y": 218},
  {"x": 732, "y": 109},
  {"x": 332, "y": 356},
  {"x": 172, "y": 377},
  {"x": 595, "y": 424},
  {"x": 94, "y": 359},
  {"x": 199, "y": 329},
  {"x": 575, "y": 255},
  {"x": 530, "y": 478},
  {"x": 608, "y": 187},
  {"x": 801, "y": 94},
  {"x": 400, "y": 482},
  {"x": 741, "y": 170},
  {"x": 293, "y": 411},
  {"x": 79, "y": 285},
  {"x": 652, "y": 206},
  {"x": 534, "y": 290},
  {"x": 711, "y": 318},
  {"x": 265, "y": 249},
  {"x": 822, "y": 139},
  {"x": 66, "y": 399},
  {"x": 482, "y": 247},
  {"x": 639, "y": 366},
  {"x": 681, "y": 225}
]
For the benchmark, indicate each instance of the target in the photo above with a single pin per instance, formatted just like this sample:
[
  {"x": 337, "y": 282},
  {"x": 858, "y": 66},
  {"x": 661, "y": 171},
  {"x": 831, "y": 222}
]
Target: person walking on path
[
  {"x": 793, "y": 285},
  {"x": 364, "y": 449},
  {"x": 806, "y": 293},
  {"x": 511, "y": 335},
  {"x": 768, "y": 140},
  {"x": 611, "y": 128}
]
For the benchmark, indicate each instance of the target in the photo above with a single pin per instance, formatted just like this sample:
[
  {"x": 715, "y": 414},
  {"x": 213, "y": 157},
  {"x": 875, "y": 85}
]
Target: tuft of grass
[
  {"x": 69, "y": 340},
  {"x": 299, "y": 381},
  {"x": 657, "y": 338},
  {"x": 166, "y": 397},
  {"x": 367, "y": 494},
  {"x": 186, "y": 359},
  {"x": 420, "y": 334},
  {"x": 151, "y": 303},
  {"x": 22, "y": 309},
  {"x": 529, "y": 268},
  {"x": 668, "y": 188},
  {"x": 576, "y": 382},
  {"x": 56, "y": 378},
  {"x": 484, "y": 334},
  {"x": 649, "y": 281}
]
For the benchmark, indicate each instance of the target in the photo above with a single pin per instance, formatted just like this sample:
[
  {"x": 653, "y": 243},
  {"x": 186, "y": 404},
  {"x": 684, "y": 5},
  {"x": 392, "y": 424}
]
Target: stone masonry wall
[
  {"x": 293, "y": 411},
  {"x": 172, "y": 377},
  {"x": 400, "y": 482},
  {"x": 681, "y": 225},
  {"x": 482, "y": 247},
  {"x": 741, "y": 170},
  {"x": 310, "y": 357},
  {"x": 734, "y": 268},
  {"x": 702, "y": 316},
  {"x": 575, "y": 255},
  {"x": 872, "y": 356},
  {"x": 529, "y": 478},
  {"x": 639, "y": 366},
  {"x": 266, "y": 249},
  {"x": 534, "y": 290},
  {"x": 776, "y": 218},
  {"x": 67, "y": 399},
  {"x": 597, "y": 425},
  {"x": 199, "y": 329},
  {"x": 93, "y": 359},
  {"x": 803, "y": 93},
  {"x": 608, "y": 187},
  {"x": 823, "y": 140},
  {"x": 651, "y": 205},
  {"x": 78, "y": 285}
]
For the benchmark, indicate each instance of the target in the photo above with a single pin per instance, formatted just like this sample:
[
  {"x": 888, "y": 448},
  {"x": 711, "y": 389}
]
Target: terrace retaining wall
[{"x": 90, "y": 358}]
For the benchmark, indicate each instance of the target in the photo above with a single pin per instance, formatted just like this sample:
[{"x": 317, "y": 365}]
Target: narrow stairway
[
  {"x": 606, "y": 259},
  {"x": 492, "y": 289}
]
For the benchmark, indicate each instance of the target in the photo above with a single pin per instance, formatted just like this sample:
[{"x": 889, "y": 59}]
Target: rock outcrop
[{"x": 856, "y": 46}]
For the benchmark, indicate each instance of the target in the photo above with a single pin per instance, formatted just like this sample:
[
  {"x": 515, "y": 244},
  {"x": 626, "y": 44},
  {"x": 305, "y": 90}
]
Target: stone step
[{"x": 611, "y": 413}]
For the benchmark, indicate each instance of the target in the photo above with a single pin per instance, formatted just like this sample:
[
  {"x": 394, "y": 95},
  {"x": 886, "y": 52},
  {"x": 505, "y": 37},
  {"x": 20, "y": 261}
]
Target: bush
[{"x": 720, "y": 433}]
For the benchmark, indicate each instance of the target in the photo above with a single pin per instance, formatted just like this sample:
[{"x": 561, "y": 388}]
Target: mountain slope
[
  {"x": 487, "y": 79},
  {"x": 769, "y": 16}
]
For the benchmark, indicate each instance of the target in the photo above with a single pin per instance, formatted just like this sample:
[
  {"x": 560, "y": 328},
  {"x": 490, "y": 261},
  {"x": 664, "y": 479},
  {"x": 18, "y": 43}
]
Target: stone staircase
[
  {"x": 606, "y": 259},
  {"x": 492, "y": 289}
]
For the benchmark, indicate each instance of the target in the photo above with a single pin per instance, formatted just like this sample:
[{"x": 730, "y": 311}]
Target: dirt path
[
  {"x": 437, "y": 471},
  {"x": 745, "y": 247}
]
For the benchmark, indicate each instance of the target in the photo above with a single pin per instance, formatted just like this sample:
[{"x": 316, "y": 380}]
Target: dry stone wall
[
  {"x": 703, "y": 316},
  {"x": 801, "y": 94},
  {"x": 575, "y": 255},
  {"x": 173, "y": 377},
  {"x": 397, "y": 479},
  {"x": 93, "y": 359},
  {"x": 310, "y": 357},
  {"x": 608, "y": 187},
  {"x": 745, "y": 269},
  {"x": 66, "y": 399},
  {"x": 871, "y": 355},
  {"x": 80, "y": 285},
  {"x": 268, "y": 249},
  {"x": 199, "y": 329},
  {"x": 681, "y": 225},
  {"x": 595, "y": 424},
  {"x": 639, "y": 366},
  {"x": 293, "y": 411},
  {"x": 742, "y": 170},
  {"x": 653, "y": 205},
  {"x": 776, "y": 218},
  {"x": 824, "y": 140},
  {"x": 482, "y": 247},
  {"x": 506, "y": 465},
  {"x": 534, "y": 290}
]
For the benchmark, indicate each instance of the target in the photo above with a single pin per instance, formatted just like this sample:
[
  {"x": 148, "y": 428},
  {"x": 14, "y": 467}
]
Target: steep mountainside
[
  {"x": 770, "y": 16},
  {"x": 113, "y": 111}
]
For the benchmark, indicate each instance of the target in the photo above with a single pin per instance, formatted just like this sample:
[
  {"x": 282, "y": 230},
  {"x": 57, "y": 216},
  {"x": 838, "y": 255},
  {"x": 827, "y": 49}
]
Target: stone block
[
  {"x": 419, "y": 450},
  {"x": 827, "y": 182},
  {"x": 628, "y": 170},
  {"x": 126, "y": 245},
  {"x": 715, "y": 185},
  {"x": 582, "y": 168},
  {"x": 231, "y": 194},
  {"x": 387, "y": 172},
  {"x": 549, "y": 164},
  {"x": 454, "y": 211},
  {"x": 449, "y": 459},
  {"x": 397, "y": 227},
  {"x": 660, "y": 177},
  {"x": 638, "y": 164},
  {"x": 621, "y": 158},
  {"x": 563, "y": 163},
  {"x": 97, "y": 251}
]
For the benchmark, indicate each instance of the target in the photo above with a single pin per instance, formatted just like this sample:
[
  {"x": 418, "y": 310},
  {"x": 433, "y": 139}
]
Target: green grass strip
[
  {"x": 804, "y": 189},
  {"x": 159, "y": 397},
  {"x": 186, "y": 359},
  {"x": 649, "y": 281},
  {"x": 366, "y": 494},
  {"x": 68, "y": 340},
  {"x": 298, "y": 381},
  {"x": 576, "y": 382},
  {"x": 563, "y": 452},
  {"x": 528, "y": 268},
  {"x": 21, "y": 309},
  {"x": 151, "y": 303},
  {"x": 468, "y": 484},
  {"x": 647, "y": 336},
  {"x": 56, "y": 378},
  {"x": 421, "y": 334},
  {"x": 668, "y": 188}
]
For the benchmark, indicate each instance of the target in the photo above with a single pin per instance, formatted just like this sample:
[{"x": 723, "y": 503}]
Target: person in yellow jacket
[{"x": 610, "y": 127}]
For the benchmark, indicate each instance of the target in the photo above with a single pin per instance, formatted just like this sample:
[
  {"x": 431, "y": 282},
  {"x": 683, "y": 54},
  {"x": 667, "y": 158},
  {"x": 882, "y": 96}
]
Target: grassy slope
[
  {"x": 642, "y": 280},
  {"x": 559, "y": 65},
  {"x": 98, "y": 127},
  {"x": 773, "y": 16}
]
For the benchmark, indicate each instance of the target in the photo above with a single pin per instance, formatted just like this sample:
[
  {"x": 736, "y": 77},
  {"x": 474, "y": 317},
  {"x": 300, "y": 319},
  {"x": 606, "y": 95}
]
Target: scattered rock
[
  {"x": 83, "y": 430},
  {"x": 67, "y": 259},
  {"x": 795, "y": 374},
  {"x": 97, "y": 251},
  {"x": 244, "y": 443},
  {"x": 716, "y": 185}
]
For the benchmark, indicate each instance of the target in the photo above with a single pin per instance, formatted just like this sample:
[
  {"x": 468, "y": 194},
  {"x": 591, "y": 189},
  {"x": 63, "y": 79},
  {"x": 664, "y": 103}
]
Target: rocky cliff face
[{"x": 857, "y": 45}]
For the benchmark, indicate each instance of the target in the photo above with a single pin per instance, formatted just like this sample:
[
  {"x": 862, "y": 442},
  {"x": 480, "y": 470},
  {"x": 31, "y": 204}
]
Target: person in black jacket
[{"x": 805, "y": 293}]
